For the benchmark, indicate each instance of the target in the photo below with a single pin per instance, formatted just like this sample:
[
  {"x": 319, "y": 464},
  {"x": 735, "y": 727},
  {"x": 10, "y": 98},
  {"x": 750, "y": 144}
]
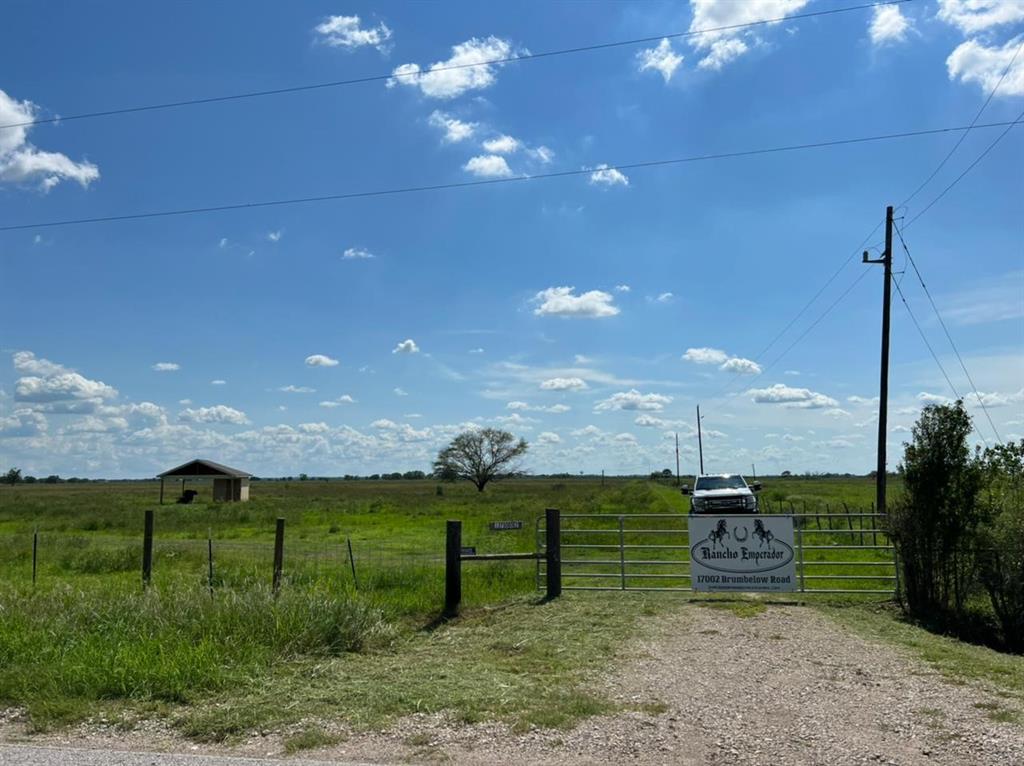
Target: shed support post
[
  {"x": 161, "y": 490},
  {"x": 553, "y": 551},
  {"x": 452, "y": 569}
]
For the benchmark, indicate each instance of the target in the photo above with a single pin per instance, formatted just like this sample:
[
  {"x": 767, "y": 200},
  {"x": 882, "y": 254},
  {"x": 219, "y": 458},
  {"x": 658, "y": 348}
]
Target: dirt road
[{"x": 787, "y": 686}]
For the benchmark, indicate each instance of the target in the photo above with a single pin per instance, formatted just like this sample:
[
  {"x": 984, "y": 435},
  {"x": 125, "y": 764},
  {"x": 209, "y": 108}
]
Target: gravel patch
[{"x": 787, "y": 686}]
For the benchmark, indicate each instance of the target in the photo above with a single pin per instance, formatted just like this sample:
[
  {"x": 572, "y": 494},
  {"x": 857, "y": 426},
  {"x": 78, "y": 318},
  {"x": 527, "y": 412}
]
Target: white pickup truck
[{"x": 722, "y": 493}]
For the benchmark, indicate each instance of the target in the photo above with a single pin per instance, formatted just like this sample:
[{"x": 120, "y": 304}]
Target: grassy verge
[
  {"x": 957, "y": 661},
  {"x": 526, "y": 663}
]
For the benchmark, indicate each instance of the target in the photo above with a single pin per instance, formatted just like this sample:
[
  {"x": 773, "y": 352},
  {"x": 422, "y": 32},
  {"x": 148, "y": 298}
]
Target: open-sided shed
[{"x": 229, "y": 484}]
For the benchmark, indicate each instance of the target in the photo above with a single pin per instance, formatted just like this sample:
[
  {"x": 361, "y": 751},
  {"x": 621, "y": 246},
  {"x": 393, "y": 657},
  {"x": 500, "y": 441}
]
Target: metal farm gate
[{"x": 835, "y": 552}]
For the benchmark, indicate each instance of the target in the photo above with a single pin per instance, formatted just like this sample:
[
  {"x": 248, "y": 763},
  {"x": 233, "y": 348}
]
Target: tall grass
[{"x": 63, "y": 647}]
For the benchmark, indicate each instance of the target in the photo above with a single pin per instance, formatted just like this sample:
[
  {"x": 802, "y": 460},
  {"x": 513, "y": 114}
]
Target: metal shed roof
[{"x": 204, "y": 468}]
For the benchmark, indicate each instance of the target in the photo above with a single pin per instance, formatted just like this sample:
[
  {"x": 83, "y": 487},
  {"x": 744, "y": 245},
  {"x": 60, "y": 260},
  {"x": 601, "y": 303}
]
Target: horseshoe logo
[{"x": 736, "y": 534}]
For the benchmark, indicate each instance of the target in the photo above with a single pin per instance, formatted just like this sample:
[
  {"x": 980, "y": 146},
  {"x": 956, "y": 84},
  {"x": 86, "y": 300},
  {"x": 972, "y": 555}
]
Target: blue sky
[{"x": 589, "y": 314}]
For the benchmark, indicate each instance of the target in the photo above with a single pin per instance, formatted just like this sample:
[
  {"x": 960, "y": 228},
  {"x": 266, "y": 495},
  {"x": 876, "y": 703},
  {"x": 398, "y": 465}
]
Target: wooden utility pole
[
  {"x": 883, "y": 384},
  {"x": 677, "y": 458},
  {"x": 700, "y": 442}
]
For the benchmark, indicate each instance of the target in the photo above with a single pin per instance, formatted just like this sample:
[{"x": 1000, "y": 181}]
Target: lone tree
[
  {"x": 481, "y": 457},
  {"x": 13, "y": 476}
]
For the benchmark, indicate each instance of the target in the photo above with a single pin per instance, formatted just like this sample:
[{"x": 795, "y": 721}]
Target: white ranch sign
[{"x": 742, "y": 553}]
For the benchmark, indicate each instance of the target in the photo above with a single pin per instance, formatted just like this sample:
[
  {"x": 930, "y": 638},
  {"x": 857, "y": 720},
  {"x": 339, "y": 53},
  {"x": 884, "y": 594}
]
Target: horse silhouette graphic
[
  {"x": 764, "y": 535},
  {"x": 720, "y": 532}
]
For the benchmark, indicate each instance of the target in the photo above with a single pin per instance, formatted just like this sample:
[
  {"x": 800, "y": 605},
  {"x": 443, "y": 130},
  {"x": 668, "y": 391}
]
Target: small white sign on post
[{"x": 742, "y": 553}]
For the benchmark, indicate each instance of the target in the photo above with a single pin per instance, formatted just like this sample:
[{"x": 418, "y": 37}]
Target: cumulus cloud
[
  {"x": 972, "y": 16},
  {"x": 22, "y": 162},
  {"x": 705, "y": 355},
  {"x": 343, "y": 399},
  {"x": 862, "y": 399},
  {"x": 548, "y": 437},
  {"x": 62, "y": 387},
  {"x": 400, "y": 391},
  {"x": 166, "y": 367},
  {"x": 928, "y": 398},
  {"x": 560, "y": 301},
  {"x": 321, "y": 360},
  {"x": 720, "y": 48},
  {"x": 524, "y": 407},
  {"x": 633, "y": 400},
  {"x": 502, "y": 145},
  {"x": 563, "y": 384},
  {"x": 218, "y": 382},
  {"x": 29, "y": 364},
  {"x": 607, "y": 176},
  {"x": 741, "y": 366},
  {"x": 347, "y": 32},
  {"x": 455, "y": 130},
  {"x": 290, "y": 389},
  {"x": 407, "y": 346},
  {"x": 275, "y": 236},
  {"x": 219, "y": 413},
  {"x": 803, "y": 398},
  {"x": 662, "y": 59},
  {"x": 357, "y": 252},
  {"x": 488, "y": 166},
  {"x": 888, "y": 25},
  {"x": 622, "y": 288},
  {"x": 974, "y": 61},
  {"x": 464, "y": 71},
  {"x": 22, "y": 423}
]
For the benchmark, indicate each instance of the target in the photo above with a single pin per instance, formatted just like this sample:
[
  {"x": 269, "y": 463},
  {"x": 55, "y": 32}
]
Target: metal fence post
[
  {"x": 147, "y": 549},
  {"x": 452, "y": 568},
  {"x": 622, "y": 552},
  {"x": 553, "y": 552},
  {"x": 352, "y": 561},
  {"x": 278, "y": 555},
  {"x": 35, "y": 553}
]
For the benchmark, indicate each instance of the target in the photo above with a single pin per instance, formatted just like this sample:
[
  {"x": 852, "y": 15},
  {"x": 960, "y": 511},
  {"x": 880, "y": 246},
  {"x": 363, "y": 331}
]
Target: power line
[
  {"x": 931, "y": 351},
  {"x": 949, "y": 337},
  {"x": 966, "y": 132},
  {"x": 496, "y": 181},
  {"x": 450, "y": 67}
]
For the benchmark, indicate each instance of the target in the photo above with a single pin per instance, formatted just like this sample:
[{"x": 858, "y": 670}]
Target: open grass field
[{"x": 219, "y": 660}]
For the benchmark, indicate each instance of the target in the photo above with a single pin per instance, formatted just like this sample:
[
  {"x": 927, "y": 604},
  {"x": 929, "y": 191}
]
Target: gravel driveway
[{"x": 787, "y": 686}]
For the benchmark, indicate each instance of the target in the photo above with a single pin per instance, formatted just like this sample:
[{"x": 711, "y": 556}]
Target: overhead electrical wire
[
  {"x": 498, "y": 181},
  {"x": 449, "y": 67},
  {"x": 949, "y": 337}
]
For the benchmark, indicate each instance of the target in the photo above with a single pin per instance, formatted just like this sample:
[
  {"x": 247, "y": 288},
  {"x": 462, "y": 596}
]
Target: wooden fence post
[
  {"x": 452, "y": 568},
  {"x": 147, "y": 549},
  {"x": 209, "y": 555},
  {"x": 278, "y": 554},
  {"x": 553, "y": 551},
  {"x": 35, "y": 553}
]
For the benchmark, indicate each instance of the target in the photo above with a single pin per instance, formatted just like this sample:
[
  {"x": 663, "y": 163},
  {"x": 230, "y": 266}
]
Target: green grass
[
  {"x": 86, "y": 640},
  {"x": 310, "y": 738}
]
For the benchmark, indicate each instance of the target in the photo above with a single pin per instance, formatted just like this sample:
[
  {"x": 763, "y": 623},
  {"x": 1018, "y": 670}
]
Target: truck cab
[{"x": 724, "y": 493}]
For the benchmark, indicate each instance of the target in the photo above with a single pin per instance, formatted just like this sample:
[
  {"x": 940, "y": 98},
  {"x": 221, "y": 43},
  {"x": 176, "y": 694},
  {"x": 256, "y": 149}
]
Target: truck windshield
[{"x": 721, "y": 482}]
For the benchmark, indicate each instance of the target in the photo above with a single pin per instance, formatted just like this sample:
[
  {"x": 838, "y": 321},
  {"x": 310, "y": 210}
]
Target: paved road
[{"x": 26, "y": 755}]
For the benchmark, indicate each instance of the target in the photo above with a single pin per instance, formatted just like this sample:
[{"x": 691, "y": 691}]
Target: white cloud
[
  {"x": 542, "y": 154},
  {"x": 502, "y": 145},
  {"x": 218, "y": 382},
  {"x": 464, "y": 71},
  {"x": 972, "y": 16},
  {"x": 791, "y": 372},
  {"x": 872, "y": 400},
  {"x": 524, "y": 407},
  {"x": 888, "y": 25},
  {"x": 455, "y": 130},
  {"x": 548, "y": 437},
  {"x": 564, "y": 384},
  {"x": 729, "y": 44},
  {"x": 488, "y": 166},
  {"x": 62, "y": 387},
  {"x": 796, "y": 397},
  {"x": 973, "y": 61},
  {"x": 622, "y": 288},
  {"x": 314, "y": 428},
  {"x": 23, "y": 423},
  {"x": 741, "y": 366},
  {"x": 407, "y": 346},
  {"x": 664, "y": 298},
  {"x": 400, "y": 391},
  {"x": 289, "y": 389},
  {"x": 321, "y": 360},
  {"x": 705, "y": 355},
  {"x": 662, "y": 59},
  {"x": 343, "y": 399},
  {"x": 275, "y": 236},
  {"x": 22, "y": 162},
  {"x": 223, "y": 243},
  {"x": 633, "y": 400},
  {"x": 219, "y": 413},
  {"x": 625, "y": 438},
  {"x": 166, "y": 367},
  {"x": 581, "y": 359},
  {"x": 606, "y": 176},
  {"x": 928, "y": 398},
  {"x": 560, "y": 301},
  {"x": 357, "y": 252},
  {"x": 28, "y": 363},
  {"x": 476, "y": 351},
  {"x": 348, "y": 32}
]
